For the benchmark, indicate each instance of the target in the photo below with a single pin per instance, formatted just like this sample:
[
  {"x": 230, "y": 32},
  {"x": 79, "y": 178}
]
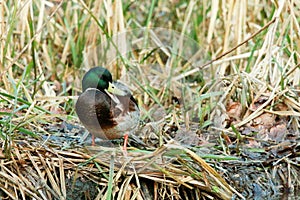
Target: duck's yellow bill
[{"x": 114, "y": 90}]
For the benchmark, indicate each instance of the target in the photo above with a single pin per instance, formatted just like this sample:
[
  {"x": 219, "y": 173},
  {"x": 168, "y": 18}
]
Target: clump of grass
[{"x": 63, "y": 172}]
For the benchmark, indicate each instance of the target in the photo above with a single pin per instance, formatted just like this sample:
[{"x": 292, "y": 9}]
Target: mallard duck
[{"x": 107, "y": 109}]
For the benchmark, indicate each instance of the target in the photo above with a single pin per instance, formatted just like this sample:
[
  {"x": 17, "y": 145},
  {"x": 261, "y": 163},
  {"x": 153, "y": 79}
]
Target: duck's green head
[{"x": 100, "y": 78}]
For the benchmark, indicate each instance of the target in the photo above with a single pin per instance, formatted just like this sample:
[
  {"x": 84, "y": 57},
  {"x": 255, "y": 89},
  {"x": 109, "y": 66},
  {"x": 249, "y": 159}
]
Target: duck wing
[{"x": 96, "y": 111}]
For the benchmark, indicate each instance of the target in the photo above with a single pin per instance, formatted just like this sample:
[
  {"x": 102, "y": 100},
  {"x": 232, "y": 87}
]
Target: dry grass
[
  {"x": 58, "y": 174},
  {"x": 210, "y": 53}
]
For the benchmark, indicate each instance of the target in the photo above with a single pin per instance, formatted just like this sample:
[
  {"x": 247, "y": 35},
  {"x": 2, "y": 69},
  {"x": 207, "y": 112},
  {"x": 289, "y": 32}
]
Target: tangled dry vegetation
[{"x": 218, "y": 88}]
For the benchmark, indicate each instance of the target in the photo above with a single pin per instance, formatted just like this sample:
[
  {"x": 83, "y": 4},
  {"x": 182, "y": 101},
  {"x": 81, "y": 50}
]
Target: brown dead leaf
[
  {"x": 278, "y": 132},
  {"x": 268, "y": 126},
  {"x": 234, "y": 110},
  {"x": 266, "y": 120},
  {"x": 253, "y": 143}
]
